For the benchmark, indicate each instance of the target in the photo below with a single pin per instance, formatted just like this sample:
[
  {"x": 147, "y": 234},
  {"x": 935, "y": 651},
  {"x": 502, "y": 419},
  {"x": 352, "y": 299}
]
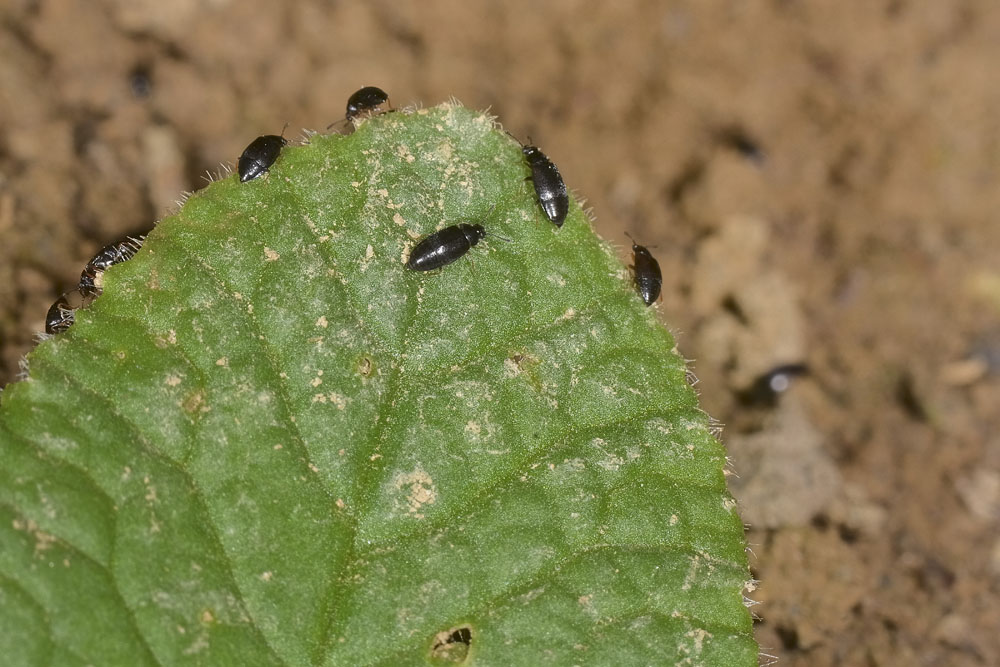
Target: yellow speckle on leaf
[{"x": 270, "y": 255}]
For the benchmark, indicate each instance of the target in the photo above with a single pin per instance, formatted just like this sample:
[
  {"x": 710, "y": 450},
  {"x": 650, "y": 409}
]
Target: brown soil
[{"x": 822, "y": 180}]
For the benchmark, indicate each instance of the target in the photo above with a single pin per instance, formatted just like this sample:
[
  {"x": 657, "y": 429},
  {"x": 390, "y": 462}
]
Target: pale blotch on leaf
[
  {"x": 43, "y": 540},
  {"x": 415, "y": 489},
  {"x": 195, "y": 402},
  {"x": 697, "y": 637},
  {"x": 169, "y": 339}
]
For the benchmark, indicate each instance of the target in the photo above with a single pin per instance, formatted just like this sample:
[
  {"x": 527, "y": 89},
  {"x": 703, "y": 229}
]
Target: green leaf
[{"x": 269, "y": 442}]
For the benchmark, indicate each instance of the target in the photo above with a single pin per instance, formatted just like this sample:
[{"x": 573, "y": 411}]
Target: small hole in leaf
[
  {"x": 524, "y": 361},
  {"x": 452, "y": 645},
  {"x": 463, "y": 635}
]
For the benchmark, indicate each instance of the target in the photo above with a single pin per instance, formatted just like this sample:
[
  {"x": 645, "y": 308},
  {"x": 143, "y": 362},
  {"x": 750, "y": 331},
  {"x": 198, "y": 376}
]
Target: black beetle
[
  {"x": 60, "y": 316},
  {"x": 764, "y": 391},
  {"x": 646, "y": 270},
  {"x": 91, "y": 280},
  {"x": 368, "y": 99},
  {"x": 548, "y": 182},
  {"x": 259, "y": 156},
  {"x": 444, "y": 246}
]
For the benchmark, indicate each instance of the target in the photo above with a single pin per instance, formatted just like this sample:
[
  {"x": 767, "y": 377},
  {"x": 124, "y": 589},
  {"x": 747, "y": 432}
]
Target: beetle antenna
[
  {"x": 509, "y": 134},
  {"x": 634, "y": 241},
  {"x": 502, "y": 238},
  {"x": 488, "y": 214},
  {"x": 283, "y": 129}
]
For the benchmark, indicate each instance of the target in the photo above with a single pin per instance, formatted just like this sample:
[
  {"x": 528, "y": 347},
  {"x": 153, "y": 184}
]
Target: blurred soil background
[{"x": 821, "y": 180}]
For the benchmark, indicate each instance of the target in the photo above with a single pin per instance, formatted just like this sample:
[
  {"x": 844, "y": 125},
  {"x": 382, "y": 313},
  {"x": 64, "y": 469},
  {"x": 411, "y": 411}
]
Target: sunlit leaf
[{"x": 269, "y": 442}]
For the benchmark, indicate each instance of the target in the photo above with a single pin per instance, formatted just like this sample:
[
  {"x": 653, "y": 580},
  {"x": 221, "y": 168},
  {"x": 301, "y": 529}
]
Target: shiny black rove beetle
[
  {"x": 549, "y": 186},
  {"x": 368, "y": 99},
  {"x": 646, "y": 270},
  {"x": 444, "y": 246},
  {"x": 259, "y": 156},
  {"x": 92, "y": 278},
  {"x": 60, "y": 316}
]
